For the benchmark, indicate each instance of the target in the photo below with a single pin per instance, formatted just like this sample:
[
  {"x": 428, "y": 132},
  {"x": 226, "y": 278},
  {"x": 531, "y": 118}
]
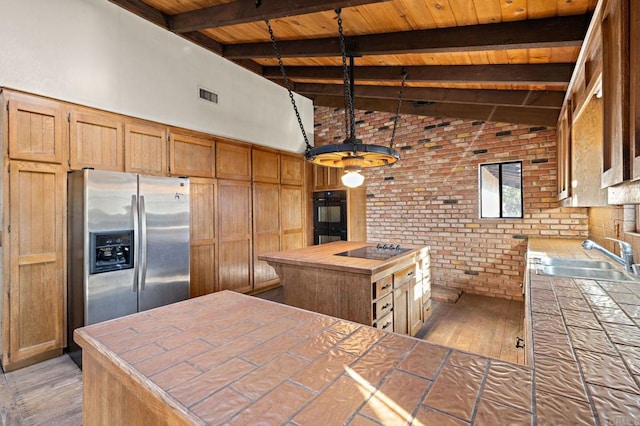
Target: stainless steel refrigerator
[{"x": 128, "y": 245}]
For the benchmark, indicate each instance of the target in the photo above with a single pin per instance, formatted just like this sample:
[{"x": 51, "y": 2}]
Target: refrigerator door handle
[
  {"x": 136, "y": 240},
  {"x": 143, "y": 243}
]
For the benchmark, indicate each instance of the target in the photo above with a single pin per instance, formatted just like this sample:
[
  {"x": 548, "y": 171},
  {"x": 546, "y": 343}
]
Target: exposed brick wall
[{"x": 431, "y": 195}]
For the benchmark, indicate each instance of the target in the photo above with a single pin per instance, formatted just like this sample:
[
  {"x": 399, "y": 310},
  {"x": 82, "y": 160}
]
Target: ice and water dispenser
[{"x": 111, "y": 251}]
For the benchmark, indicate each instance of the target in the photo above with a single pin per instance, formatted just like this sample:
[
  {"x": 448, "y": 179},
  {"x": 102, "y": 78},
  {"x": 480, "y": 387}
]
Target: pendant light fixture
[{"x": 352, "y": 155}]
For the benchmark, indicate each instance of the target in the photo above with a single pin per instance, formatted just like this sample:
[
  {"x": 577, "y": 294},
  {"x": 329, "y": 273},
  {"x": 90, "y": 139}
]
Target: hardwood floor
[
  {"x": 479, "y": 324},
  {"x": 50, "y": 393},
  {"x": 47, "y": 393}
]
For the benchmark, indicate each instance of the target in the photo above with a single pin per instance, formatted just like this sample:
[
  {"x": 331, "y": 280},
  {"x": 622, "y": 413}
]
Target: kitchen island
[
  {"x": 228, "y": 358},
  {"x": 386, "y": 287}
]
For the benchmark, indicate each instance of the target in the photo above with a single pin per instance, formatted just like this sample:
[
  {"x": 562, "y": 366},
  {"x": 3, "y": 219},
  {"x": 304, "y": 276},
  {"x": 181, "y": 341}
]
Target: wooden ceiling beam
[
  {"x": 510, "y": 114},
  {"x": 538, "y": 99},
  {"x": 245, "y": 11},
  {"x": 143, "y": 10},
  {"x": 549, "y": 74},
  {"x": 566, "y": 31}
]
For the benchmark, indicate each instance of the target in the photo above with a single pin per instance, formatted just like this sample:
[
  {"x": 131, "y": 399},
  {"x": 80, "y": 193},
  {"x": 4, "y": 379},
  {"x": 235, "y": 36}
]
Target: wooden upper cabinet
[
  {"x": 37, "y": 282},
  {"x": 145, "y": 149},
  {"x": 291, "y": 169},
  {"x": 564, "y": 154},
  {"x": 634, "y": 64},
  {"x": 326, "y": 178},
  {"x": 36, "y": 128},
  {"x": 233, "y": 161},
  {"x": 615, "y": 89},
  {"x": 202, "y": 200},
  {"x": 266, "y": 166},
  {"x": 96, "y": 140},
  {"x": 191, "y": 156}
]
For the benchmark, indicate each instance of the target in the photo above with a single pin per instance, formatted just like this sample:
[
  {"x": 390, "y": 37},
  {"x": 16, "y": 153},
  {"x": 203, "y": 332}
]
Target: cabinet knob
[{"x": 519, "y": 343}]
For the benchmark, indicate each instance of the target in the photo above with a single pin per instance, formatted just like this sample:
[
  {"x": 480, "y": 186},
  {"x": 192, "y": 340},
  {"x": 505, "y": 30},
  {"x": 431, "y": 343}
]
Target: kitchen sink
[
  {"x": 585, "y": 273},
  {"x": 575, "y": 263}
]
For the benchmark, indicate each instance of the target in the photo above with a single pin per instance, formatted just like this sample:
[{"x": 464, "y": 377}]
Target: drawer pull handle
[
  {"x": 410, "y": 273},
  {"x": 384, "y": 287},
  {"x": 386, "y": 305},
  {"x": 519, "y": 342},
  {"x": 386, "y": 325}
]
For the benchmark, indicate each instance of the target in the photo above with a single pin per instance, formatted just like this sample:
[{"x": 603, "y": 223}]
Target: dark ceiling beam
[
  {"x": 538, "y": 99},
  {"x": 510, "y": 114},
  {"x": 244, "y": 11},
  {"x": 549, "y": 74},
  {"x": 540, "y": 33},
  {"x": 143, "y": 10}
]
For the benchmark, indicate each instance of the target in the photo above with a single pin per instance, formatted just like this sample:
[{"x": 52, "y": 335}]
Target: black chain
[
  {"x": 395, "y": 119},
  {"x": 288, "y": 85},
  {"x": 349, "y": 117}
]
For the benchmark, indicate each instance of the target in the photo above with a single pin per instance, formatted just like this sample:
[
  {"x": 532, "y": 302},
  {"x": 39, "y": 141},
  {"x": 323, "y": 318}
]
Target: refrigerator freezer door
[
  {"x": 164, "y": 241},
  {"x": 109, "y": 200}
]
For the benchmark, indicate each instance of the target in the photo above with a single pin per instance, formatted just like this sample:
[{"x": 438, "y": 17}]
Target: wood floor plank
[
  {"x": 49, "y": 392},
  {"x": 479, "y": 324}
]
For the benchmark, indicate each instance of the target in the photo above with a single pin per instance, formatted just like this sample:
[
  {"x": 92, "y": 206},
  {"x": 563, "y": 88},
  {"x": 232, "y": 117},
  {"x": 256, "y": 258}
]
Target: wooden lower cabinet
[
  {"x": 266, "y": 231},
  {"x": 292, "y": 213},
  {"x": 235, "y": 258},
  {"x": 203, "y": 198},
  {"x": 35, "y": 263},
  {"x": 408, "y": 300}
]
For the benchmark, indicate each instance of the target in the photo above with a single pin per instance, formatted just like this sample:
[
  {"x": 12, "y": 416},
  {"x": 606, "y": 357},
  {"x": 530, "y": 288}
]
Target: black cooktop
[{"x": 374, "y": 253}]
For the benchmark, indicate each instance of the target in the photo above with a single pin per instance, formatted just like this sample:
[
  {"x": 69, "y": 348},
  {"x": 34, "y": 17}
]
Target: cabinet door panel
[
  {"x": 145, "y": 149},
  {"x": 401, "y": 309},
  {"x": 233, "y": 161},
  {"x": 615, "y": 83},
  {"x": 292, "y": 217},
  {"x": 96, "y": 140},
  {"x": 190, "y": 156},
  {"x": 326, "y": 178},
  {"x": 38, "y": 262},
  {"x": 203, "y": 236},
  {"x": 265, "y": 166},
  {"x": 291, "y": 170},
  {"x": 415, "y": 305},
  {"x": 35, "y": 129},
  {"x": 234, "y": 230},
  {"x": 266, "y": 231}
]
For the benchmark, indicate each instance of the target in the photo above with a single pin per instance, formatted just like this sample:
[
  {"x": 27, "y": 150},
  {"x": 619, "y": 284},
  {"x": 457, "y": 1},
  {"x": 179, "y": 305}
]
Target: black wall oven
[{"x": 329, "y": 216}]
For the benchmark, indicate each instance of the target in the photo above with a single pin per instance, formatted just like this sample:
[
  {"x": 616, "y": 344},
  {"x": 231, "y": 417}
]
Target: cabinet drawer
[
  {"x": 385, "y": 323},
  {"x": 426, "y": 296},
  {"x": 383, "y": 306},
  {"x": 404, "y": 275},
  {"x": 382, "y": 287}
]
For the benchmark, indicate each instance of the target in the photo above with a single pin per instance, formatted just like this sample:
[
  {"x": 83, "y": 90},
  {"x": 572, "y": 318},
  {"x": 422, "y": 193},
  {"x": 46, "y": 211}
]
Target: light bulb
[{"x": 352, "y": 178}]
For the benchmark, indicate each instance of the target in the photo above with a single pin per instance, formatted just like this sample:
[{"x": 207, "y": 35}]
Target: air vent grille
[{"x": 208, "y": 96}]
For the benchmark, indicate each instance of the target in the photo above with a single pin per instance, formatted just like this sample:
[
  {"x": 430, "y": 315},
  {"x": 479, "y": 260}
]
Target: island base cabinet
[{"x": 129, "y": 400}]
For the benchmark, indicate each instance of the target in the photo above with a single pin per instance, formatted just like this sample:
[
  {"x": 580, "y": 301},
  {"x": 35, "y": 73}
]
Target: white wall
[{"x": 94, "y": 53}]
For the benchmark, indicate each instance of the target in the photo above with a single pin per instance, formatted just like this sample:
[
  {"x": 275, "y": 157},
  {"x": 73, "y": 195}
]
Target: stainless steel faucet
[{"x": 626, "y": 253}]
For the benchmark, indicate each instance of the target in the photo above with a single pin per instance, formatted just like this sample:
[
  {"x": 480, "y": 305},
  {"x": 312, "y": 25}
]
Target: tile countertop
[
  {"x": 236, "y": 359},
  {"x": 586, "y": 340}
]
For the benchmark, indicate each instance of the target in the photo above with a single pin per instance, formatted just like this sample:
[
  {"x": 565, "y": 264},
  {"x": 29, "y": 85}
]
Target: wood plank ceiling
[{"x": 499, "y": 60}]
